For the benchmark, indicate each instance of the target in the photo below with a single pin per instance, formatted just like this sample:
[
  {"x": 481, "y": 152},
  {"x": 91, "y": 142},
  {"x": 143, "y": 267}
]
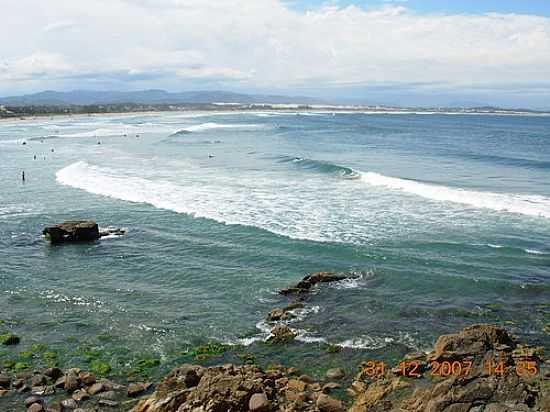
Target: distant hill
[{"x": 90, "y": 97}]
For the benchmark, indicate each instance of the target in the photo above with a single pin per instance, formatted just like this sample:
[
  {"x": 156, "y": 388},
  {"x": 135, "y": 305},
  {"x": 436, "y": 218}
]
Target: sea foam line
[{"x": 530, "y": 205}]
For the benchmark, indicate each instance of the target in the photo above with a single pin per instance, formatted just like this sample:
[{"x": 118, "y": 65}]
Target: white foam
[
  {"x": 531, "y": 205},
  {"x": 535, "y": 252},
  {"x": 209, "y": 126},
  {"x": 366, "y": 342},
  {"x": 495, "y": 246}
]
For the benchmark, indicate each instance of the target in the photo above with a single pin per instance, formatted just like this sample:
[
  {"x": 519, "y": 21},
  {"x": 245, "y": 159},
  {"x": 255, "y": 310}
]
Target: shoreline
[{"x": 252, "y": 110}]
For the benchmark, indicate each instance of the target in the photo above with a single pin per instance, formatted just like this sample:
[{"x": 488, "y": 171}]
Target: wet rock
[
  {"x": 17, "y": 383},
  {"x": 96, "y": 388},
  {"x": 53, "y": 373},
  {"x": 9, "y": 339},
  {"x": 282, "y": 334},
  {"x": 306, "y": 379},
  {"x": 311, "y": 280},
  {"x": 4, "y": 392},
  {"x": 71, "y": 381},
  {"x": 54, "y": 407},
  {"x": 38, "y": 380},
  {"x": 5, "y": 382},
  {"x": 108, "y": 403},
  {"x": 36, "y": 407},
  {"x": 259, "y": 403},
  {"x": 86, "y": 378},
  {"x": 80, "y": 395},
  {"x": 329, "y": 387},
  {"x": 60, "y": 382},
  {"x": 72, "y": 231},
  {"x": 136, "y": 389},
  {"x": 32, "y": 399},
  {"x": 278, "y": 314},
  {"x": 43, "y": 390},
  {"x": 335, "y": 374}
]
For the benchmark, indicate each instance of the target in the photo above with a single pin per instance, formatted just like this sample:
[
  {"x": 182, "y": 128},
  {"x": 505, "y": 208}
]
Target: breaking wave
[{"x": 530, "y": 205}]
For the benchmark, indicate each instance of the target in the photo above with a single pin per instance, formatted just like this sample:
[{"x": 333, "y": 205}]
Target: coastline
[{"x": 480, "y": 368}]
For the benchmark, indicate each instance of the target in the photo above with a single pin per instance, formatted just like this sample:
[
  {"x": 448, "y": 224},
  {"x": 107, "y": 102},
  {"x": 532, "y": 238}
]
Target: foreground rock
[
  {"x": 232, "y": 388},
  {"x": 492, "y": 373},
  {"x": 72, "y": 231}
]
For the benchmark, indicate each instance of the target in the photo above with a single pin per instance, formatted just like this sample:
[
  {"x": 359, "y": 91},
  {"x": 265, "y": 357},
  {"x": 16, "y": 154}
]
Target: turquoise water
[{"x": 444, "y": 219}]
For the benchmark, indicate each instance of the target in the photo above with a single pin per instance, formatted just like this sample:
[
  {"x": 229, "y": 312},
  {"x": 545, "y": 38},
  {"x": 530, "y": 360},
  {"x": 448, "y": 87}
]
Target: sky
[{"x": 402, "y": 52}]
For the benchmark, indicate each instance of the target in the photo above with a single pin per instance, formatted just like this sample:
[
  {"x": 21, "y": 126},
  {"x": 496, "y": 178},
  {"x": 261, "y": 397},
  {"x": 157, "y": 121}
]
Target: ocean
[{"x": 443, "y": 220}]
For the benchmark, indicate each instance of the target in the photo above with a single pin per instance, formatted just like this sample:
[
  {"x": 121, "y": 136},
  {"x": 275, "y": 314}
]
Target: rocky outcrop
[
  {"x": 480, "y": 369},
  {"x": 72, "y": 231},
  {"x": 311, "y": 280},
  {"x": 78, "y": 231},
  {"x": 230, "y": 388}
]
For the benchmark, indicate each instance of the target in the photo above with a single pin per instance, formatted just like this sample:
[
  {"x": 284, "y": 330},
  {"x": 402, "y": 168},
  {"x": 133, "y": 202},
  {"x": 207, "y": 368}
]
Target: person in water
[{"x": 23, "y": 175}]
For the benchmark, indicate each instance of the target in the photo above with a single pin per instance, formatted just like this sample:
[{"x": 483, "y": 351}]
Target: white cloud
[{"x": 264, "y": 44}]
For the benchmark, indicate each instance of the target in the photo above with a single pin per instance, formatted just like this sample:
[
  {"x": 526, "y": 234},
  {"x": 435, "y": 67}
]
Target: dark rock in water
[
  {"x": 311, "y": 280},
  {"x": 31, "y": 400},
  {"x": 282, "y": 334},
  {"x": 9, "y": 339},
  {"x": 72, "y": 231},
  {"x": 54, "y": 373}
]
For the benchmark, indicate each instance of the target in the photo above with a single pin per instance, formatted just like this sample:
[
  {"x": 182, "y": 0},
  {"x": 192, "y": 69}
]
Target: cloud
[{"x": 265, "y": 44}]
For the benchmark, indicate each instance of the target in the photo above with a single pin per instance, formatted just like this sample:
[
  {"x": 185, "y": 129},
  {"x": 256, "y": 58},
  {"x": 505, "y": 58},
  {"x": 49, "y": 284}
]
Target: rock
[
  {"x": 60, "y": 382},
  {"x": 17, "y": 383},
  {"x": 32, "y": 399},
  {"x": 259, "y": 403},
  {"x": 80, "y": 395},
  {"x": 71, "y": 381},
  {"x": 86, "y": 378},
  {"x": 329, "y": 387},
  {"x": 36, "y": 407},
  {"x": 54, "y": 407},
  {"x": 108, "y": 395},
  {"x": 4, "y": 392},
  {"x": 306, "y": 379},
  {"x": 471, "y": 341},
  {"x": 311, "y": 280},
  {"x": 335, "y": 374},
  {"x": 96, "y": 388},
  {"x": 108, "y": 403},
  {"x": 282, "y": 334},
  {"x": 72, "y": 231},
  {"x": 478, "y": 390},
  {"x": 38, "y": 380},
  {"x": 43, "y": 390},
  {"x": 279, "y": 314},
  {"x": 136, "y": 389},
  {"x": 9, "y": 339},
  {"x": 69, "y": 404},
  {"x": 53, "y": 373},
  {"x": 5, "y": 382},
  {"x": 325, "y": 403}
]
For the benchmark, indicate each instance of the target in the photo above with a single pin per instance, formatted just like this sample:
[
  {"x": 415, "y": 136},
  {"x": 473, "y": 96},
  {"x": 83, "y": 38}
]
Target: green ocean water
[{"x": 444, "y": 221}]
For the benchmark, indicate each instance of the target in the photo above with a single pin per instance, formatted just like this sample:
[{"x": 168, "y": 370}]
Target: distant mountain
[{"x": 85, "y": 97}]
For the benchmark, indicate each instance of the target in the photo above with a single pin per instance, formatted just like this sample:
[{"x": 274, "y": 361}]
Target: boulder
[
  {"x": 282, "y": 334},
  {"x": 259, "y": 403},
  {"x": 335, "y": 374},
  {"x": 72, "y": 231}
]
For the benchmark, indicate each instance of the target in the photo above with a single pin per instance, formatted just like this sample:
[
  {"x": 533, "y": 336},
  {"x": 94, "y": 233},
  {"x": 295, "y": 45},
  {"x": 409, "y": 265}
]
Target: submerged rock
[
  {"x": 72, "y": 231},
  {"x": 311, "y": 280}
]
